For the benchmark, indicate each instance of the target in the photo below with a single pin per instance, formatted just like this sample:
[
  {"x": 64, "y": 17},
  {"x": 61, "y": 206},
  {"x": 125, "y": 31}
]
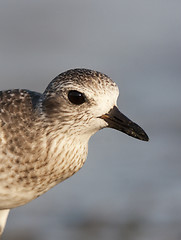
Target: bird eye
[{"x": 76, "y": 97}]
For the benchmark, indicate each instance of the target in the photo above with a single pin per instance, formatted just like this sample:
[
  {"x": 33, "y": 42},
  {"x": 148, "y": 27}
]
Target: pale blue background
[{"x": 127, "y": 189}]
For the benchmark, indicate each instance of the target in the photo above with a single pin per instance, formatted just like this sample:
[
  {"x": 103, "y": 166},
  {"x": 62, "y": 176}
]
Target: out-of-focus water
[{"x": 127, "y": 189}]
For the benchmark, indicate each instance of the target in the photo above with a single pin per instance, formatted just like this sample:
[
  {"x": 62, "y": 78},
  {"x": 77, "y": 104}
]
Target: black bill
[{"x": 119, "y": 121}]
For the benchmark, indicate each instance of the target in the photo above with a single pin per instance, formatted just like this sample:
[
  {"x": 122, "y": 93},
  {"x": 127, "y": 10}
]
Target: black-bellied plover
[{"x": 44, "y": 137}]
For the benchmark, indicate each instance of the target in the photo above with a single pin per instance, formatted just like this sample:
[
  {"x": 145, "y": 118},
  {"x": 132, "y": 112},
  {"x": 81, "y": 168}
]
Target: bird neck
[{"x": 62, "y": 154}]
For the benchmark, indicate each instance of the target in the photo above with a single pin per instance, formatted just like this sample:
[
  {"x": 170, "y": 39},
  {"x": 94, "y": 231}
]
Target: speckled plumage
[{"x": 44, "y": 137}]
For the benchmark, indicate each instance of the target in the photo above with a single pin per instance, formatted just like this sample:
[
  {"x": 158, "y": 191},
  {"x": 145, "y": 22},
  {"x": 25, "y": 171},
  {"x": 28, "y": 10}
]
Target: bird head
[{"x": 85, "y": 101}]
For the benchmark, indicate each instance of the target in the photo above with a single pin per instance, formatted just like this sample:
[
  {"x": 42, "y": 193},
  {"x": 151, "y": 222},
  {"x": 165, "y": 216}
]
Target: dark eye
[{"x": 76, "y": 97}]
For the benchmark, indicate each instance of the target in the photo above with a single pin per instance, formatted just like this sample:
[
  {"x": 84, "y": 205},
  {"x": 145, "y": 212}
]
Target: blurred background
[{"x": 127, "y": 189}]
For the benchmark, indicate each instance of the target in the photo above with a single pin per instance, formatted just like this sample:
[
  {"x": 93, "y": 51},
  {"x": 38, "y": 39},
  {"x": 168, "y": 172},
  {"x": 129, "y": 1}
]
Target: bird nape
[{"x": 44, "y": 137}]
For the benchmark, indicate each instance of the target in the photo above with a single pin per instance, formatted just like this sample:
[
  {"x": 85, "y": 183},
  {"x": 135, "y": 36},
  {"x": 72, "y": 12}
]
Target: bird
[{"x": 44, "y": 136}]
